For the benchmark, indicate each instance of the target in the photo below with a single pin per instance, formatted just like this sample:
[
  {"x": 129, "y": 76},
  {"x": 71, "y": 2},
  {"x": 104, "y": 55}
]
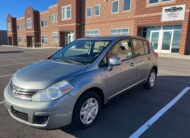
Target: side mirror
[{"x": 114, "y": 61}]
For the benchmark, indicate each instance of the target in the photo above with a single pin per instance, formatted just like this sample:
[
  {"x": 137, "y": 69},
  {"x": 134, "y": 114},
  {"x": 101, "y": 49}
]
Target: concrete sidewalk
[{"x": 175, "y": 56}]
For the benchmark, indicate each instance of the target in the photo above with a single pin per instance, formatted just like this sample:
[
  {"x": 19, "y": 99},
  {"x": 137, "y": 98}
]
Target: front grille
[
  {"x": 21, "y": 93},
  {"x": 18, "y": 114}
]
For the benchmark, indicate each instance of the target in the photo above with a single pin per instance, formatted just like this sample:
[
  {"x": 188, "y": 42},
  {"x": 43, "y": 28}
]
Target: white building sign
[{"x": 173, "y": 13}]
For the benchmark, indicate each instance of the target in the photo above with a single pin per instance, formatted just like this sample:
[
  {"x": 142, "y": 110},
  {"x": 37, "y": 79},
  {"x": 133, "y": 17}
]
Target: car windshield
[{"x": 81, "y": 51}]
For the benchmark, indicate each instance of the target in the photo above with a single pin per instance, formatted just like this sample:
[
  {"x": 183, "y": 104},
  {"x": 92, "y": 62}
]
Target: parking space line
[
  {"x": 160, "y": 113},
  {"x": 6, "y": 75}
]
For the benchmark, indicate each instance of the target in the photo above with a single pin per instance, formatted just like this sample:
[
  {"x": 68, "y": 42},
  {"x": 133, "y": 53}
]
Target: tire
[
  {"x": 82, "y": 107},
  {"x": 151, "y": 79}
]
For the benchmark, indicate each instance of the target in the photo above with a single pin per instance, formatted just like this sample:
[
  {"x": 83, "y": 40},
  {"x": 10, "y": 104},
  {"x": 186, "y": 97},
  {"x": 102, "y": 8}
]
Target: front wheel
[
  {"x": 87, "y": 109},
  {"x": 151, "y": 79}
]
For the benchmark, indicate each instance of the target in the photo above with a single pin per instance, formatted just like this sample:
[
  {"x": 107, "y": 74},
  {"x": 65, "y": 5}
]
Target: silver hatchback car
[{"x": 73, "y": 84}]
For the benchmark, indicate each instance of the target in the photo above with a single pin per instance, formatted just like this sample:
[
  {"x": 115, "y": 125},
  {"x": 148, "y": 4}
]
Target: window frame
[
  {"x": 42, "y": 39},
  {"x": 159, "y": 2},
  {"x": 29, "y": 23},
  {"x": 65, "y": 7},
  {"x": 129, "y": 8},
  {"x": 99, "y": 5},
  {"x": 112, "y": 7},
  {"x": 143, "y": 47},
  {"x": 54, "y": 36},
  {"x": 92, "y": 33},
  {"x": 117, "y": 34},
  {"x": 89, "y": 7},
  {"x": 115, "y": 43}
]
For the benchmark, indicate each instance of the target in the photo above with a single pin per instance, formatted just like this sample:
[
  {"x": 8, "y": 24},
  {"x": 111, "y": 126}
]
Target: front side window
[
  {"x": 88, "y": 11},
  {"x": 29, "y": 23},
  {"x": 122, "y": 49},
  {"x": 81, "y": 51},
  {"x": 158, "y": 1},
  {"x": 138, "y": 47},
  {"x": 92, "y": 33},
  {"x": 127, "y": 5},
  {"x": 119, "y": 31},
  {"x": 97, "y": 10},
  {"x": 44, "y": 40},
  {"x": 66, "y": 12},
  {"x": 115, "y": 6}
]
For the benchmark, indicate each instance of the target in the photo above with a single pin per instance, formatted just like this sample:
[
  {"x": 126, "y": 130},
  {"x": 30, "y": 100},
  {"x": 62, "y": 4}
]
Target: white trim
[
  {"x": 159, "y": 2},
  {"x": 112, "y": 7},
  {"x": 27, "y": 23},
  {"x": 66, "y": 6},
  {"x": 99, "y": 10},
  {"x": 52, "y": 35},
  {"x": 89, "y": 7},
  {"x": 41, "y": 39}
]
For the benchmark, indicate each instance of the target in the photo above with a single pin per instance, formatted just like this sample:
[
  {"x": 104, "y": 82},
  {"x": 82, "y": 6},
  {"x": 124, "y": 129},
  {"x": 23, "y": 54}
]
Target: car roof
[{"x": 112, "y": 38}]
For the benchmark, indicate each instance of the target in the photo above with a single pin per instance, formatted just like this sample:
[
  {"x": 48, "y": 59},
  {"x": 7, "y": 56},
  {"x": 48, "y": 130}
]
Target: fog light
[{"x": 41, "y": 119}]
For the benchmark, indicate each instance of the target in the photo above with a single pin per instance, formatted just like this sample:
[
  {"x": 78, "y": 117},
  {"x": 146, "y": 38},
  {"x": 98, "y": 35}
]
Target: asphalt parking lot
[{"x": 124, "y": 115}]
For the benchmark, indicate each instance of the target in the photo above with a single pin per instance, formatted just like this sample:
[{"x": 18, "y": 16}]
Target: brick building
[{"x": 165, "y": 23}]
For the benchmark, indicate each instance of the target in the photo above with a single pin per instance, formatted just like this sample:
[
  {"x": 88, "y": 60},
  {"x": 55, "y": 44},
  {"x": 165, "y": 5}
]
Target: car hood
[{"x": 42, "y": 74}]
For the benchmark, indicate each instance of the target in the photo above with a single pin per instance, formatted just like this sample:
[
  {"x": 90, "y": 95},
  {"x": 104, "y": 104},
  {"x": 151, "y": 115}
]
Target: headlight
[{"x": 53, "y": 92}]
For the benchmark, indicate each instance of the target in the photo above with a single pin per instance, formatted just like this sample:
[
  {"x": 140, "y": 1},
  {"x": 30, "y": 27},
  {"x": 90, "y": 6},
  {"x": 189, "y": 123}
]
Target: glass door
[
  {"x": 154, "y": 39},
  {"x": 166, "y": 43}
]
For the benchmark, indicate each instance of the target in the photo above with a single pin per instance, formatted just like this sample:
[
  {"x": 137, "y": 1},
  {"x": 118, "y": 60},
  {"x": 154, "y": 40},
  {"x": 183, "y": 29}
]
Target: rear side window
[
  {"x": 138, "y": 47},
  {"x": 146, "y": 47}
]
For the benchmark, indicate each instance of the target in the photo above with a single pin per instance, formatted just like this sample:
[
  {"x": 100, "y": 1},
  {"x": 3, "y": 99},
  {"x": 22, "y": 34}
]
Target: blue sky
[{"x": 17, "y": 8}]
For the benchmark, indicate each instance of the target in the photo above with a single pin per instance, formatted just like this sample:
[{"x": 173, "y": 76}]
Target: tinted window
[
  {"x": 138, "y": 47},
  {"x": 115, "y": 6},
  {"x": 122, "y": 49},
  {"x": 146, "y": 47}
]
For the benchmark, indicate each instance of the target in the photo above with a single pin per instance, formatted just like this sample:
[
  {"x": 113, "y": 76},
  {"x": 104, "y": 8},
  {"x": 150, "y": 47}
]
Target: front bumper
[{"x": 45, "y": 115}]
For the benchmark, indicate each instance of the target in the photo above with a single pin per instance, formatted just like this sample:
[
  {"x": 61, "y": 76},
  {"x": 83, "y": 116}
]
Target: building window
[
  {"x": 44, "y": 23},
  {"x": 55, "y": 36},
  {"x": 158, "y": 1},
  {"x": 88, "y": 11},
  {"x": 19, "y": 27},
  {"x": 9, "y": 27},
  {"x": 54, "y": 18},
  {"x": 97, "y": 10},
  {"x": 66, "y": 12},
  {"x": 115, "y": 6},
  {"x": 120, "y": 31},
  {"x": 44, "y": 40},
  {"x": 29, "y": 23},
  {"x": 19, "y": 39},
  {"x": 127, "y": 5},
  {"x": 92, "y": 33}
]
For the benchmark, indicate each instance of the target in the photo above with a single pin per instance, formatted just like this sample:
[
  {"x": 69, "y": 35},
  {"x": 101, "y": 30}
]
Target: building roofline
[
  {"x": 21, "y": 18},
  {"x": 43, "y": 12},
  {"x": 53, "y": 6}
]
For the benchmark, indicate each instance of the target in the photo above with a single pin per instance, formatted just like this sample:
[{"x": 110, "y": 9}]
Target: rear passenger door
[{"x": 142, "y": 60}]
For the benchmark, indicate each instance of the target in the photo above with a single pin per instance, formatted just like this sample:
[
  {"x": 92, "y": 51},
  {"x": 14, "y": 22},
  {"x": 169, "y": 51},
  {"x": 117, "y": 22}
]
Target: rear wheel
[
  {"x": 87, "y": 109},
  {"x": 151, "y": 79}
]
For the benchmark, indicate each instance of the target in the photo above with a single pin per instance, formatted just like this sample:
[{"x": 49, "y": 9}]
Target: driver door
[{"x": 121, "y": 76}]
